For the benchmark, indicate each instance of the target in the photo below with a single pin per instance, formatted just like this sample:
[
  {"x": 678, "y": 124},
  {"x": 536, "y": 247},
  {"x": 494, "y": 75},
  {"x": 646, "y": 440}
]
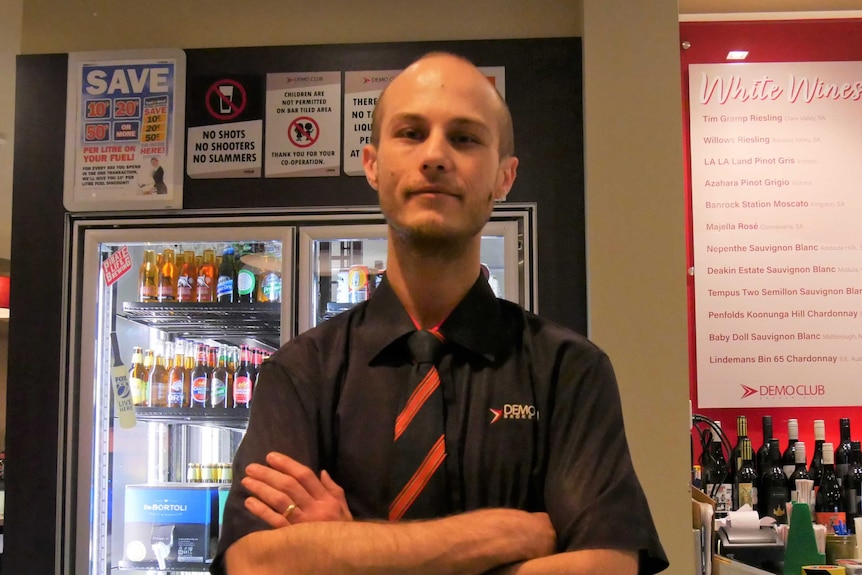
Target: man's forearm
[
  {"x": 584, "y": 562},
  {"x": 462, "y": 544}
]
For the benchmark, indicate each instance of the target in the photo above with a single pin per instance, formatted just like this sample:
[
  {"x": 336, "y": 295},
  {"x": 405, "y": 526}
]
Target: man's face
[{"x": 437, "y": 167}]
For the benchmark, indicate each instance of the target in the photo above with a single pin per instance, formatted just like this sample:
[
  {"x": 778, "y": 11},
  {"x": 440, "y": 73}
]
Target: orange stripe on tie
[
  {"x": 417, "y": 399},
  {"x": 417, "y": 483}
]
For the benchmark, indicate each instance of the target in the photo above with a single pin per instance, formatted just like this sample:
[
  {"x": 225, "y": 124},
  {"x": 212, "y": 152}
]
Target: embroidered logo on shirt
[{"x": 514, "y": 411}]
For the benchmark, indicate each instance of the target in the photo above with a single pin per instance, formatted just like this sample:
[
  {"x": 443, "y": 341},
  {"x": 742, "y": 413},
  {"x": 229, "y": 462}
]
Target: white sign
[
  {"x": 776, "y": 152},
  {"x": 225, "y": 150},
  {"x": 124, "y": 126},
  {"x": 361, "y": 90},
  {"x": 303, "y": 124}
]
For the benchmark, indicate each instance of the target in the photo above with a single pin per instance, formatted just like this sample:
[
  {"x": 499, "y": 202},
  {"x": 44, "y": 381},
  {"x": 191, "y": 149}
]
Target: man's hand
[{"x": 284, "y": 482}]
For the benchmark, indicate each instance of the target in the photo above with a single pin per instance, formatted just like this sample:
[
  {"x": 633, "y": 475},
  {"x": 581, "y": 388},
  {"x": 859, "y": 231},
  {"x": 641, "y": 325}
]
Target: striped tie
[{"x": 420, "y": 447}]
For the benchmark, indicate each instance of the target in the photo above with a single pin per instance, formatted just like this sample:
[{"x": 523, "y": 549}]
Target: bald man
[{"x": 550, "y": 491}]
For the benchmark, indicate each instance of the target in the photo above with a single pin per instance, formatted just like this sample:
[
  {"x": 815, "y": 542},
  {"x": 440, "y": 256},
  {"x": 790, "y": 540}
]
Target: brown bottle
[
  {"x": 243, "y": 381},
  {"x": 158, "y": 381},
  {"x": 168, "y": 277},
  {"x": 205, "y": 290},
  {"x": 148, "y": 277},
  {"x": 219, "y": 381},
  {"x": 188, "y": 278},
  {"x": 200, "y": 380},
  {"x": 178, "y": 395}
]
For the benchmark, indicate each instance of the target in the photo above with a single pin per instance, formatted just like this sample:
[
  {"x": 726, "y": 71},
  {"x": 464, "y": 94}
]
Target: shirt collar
[{"x": 475, "y": 324}]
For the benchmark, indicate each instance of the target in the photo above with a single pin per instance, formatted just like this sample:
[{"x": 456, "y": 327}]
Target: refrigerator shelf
[
  {"x": 213, "y": 417},
  {"x": 261, "y": 321},
  {"x": 151, "y": 567}
]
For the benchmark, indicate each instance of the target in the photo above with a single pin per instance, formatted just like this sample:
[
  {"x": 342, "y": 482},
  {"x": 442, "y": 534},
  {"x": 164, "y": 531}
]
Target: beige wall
[
  {"x": 10, "y": 42},
  {"x": 634, "y": 165}
]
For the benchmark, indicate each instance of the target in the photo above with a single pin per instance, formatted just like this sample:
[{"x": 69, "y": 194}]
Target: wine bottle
[
  {"x": 716, "y": 475},
  {"x": 772, "y": 493},
  {"x": 799, "y": 471},
  {"x": 745, "y": 479},
  {"x": 788, "y": 459},
  {"x": 761, "y": 459},
  {"x": 853, "y": 484},
  {"x": 829, "y": 508},
  {"x": 842, "y": 453},
  {"x": 816, "y": 467},
  {"x": 741, "y": 436}
]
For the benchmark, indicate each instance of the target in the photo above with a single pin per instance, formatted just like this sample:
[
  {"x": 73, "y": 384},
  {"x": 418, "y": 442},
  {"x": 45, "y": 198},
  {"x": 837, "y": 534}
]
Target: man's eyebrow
[{"x": 463, "y": 121}]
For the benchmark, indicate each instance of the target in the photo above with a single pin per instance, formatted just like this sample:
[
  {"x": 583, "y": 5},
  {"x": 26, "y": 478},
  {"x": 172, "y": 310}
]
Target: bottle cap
[
  {"x": 828, "y": 454},
  {"x": 819, "y": 429},
  {"x": 792, "y": 428},
  {"x": 799, "y": 453}
]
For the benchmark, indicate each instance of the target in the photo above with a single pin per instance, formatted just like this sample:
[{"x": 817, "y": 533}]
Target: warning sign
[
  {"x": 361, "y": 90},
  {"x": 225, "y": 135},
  {"x": 303, "y": 124},
  {"x": 303, "y": 132},
  {"x": 226, "y": 99}
]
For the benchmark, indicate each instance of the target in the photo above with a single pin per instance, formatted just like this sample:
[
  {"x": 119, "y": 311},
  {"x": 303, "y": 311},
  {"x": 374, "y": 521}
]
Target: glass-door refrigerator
[{"x": 168, "y": 317}]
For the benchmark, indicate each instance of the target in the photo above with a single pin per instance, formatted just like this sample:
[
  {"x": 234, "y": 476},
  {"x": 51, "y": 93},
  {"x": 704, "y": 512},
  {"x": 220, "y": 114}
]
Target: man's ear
[
  {"x": 505, "y": 177},
  {"x": 369, "y": 164}
]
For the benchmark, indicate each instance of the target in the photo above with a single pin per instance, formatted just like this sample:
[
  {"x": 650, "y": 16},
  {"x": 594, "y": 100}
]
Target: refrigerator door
[
  {"x": 146, "y": 457},
  {"x": 340, "y": 265}
]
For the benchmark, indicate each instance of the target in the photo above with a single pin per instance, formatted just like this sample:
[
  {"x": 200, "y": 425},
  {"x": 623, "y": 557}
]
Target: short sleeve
[
  {"x": 592, "y": 493},
  {"x": 283, "y": 419}
]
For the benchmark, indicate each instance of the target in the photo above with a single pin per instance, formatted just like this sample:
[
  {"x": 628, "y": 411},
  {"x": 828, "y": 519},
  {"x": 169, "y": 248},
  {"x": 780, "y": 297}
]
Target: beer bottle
[
  {"x": 158, "y": 382},
  {"x": 148, "y": 277},
  {"x": 246, "y": 274},
  {"x": 200, "y": 380},
  {"x": 168, "y": 277},
  {"x": 218, "y": 383},
  {"x": 243, "y": 382},
  {"x": 232, "y": 364},
  {"x": 206, "y": 278},
  {"x": 189, "y": 364},
  {"x": 226, "y": 283},
  {"x": 177, "y": 393},
  {"x": 149, "y": 363},
  {"x": 138, "y": 377},
  {"x": 187, "y": 278},
  {"x": 257, "y": 359},
  {"x": 269, "y": 281}
]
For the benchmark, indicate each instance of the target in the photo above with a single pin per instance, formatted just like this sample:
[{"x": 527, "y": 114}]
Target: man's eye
[
  {"x": 464, "y": 139},
  {"x": 410, "y": 134}
]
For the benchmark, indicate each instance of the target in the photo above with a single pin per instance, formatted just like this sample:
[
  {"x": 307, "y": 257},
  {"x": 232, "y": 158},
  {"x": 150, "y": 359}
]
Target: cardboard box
[{"x": 170, "y": 525}]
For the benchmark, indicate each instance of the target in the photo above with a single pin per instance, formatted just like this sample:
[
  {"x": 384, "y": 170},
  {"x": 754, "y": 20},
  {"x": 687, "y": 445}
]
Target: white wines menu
[{"x": 776, "y": 153}]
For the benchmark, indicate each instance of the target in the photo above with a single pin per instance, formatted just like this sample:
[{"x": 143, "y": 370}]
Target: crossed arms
[{"x": 320, "y": 536}]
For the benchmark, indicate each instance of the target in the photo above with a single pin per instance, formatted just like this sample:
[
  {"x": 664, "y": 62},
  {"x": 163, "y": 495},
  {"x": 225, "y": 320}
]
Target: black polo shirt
[{"x": 533, "y": 420}]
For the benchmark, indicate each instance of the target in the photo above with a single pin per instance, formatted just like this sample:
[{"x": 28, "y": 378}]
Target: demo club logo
[{"x": 801, "y": 390}]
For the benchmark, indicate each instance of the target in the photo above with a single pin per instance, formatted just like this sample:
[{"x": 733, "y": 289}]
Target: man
[{"x": 551, "y": 492}]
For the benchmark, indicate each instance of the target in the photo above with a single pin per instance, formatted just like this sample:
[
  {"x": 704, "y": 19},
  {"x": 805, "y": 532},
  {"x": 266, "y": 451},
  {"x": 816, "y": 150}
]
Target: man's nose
[{"x": 436, "y": 153}]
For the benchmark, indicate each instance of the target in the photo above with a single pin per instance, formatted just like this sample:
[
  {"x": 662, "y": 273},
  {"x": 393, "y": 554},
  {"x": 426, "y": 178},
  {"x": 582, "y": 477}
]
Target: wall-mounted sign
[
  {"x": 776, "y": 212},
  {"x": 124, "y": 130},
  {"x": 361, "y": 90},
  {"x": 303, "y": 124},
  {"x": 225, "y": 120}
]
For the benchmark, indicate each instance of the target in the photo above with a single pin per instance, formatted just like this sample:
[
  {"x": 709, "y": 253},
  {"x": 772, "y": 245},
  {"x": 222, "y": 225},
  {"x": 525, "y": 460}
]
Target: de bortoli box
[{"x": 170, "y": 525}]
